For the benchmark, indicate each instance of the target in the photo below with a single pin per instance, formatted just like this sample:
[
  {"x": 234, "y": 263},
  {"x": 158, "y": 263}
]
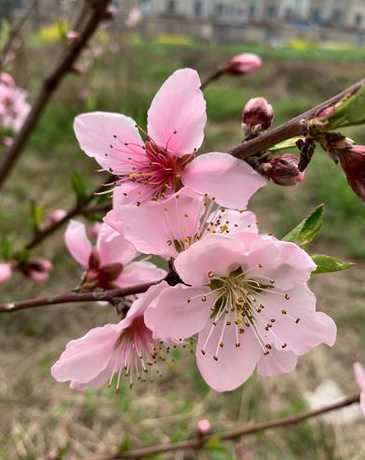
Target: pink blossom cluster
[
  {"x": 14, "y": 107},
  {"x": 242, "y": 297}
]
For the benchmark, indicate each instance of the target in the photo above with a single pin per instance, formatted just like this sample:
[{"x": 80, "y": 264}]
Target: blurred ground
[{"x": 39, "y": 415}]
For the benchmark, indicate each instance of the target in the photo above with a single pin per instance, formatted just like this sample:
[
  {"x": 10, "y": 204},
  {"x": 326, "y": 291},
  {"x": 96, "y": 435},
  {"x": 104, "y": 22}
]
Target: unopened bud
[
  {"x": 203, "y": 427},
  {"x": 6, "y": 79},
  {"x": 5, "y": 271},
  {"x": 353, "y": 164},
  {"x": 283, "y": 170},
  {"x": 38, "y": 269},
  {"x": 242, "y": 64},
  {"x": 72, "y": 36},
  {"x": 257, "y": 113},
  {"x": 54, "y": 217},
  {"x": 324, "y": 114}
]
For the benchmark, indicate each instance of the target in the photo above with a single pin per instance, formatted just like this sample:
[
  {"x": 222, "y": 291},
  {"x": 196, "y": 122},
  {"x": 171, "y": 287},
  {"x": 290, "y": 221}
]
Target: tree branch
[
  {"x": 297, "y": 126},
  {"x": 232, "y": 434},
  {"x": 49, "y": 86},
  {"x": 73, "y": 297}
]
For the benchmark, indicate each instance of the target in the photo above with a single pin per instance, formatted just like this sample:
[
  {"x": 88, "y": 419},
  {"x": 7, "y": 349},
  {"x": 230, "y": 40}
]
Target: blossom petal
[
  {"x": 113, "y": 247},
  {"x": 359, "y": 372},
  {"x": 137, "y": 273},
  {"x": 131, "y": 193},
  {"x": 277, "y": 362},
  {"x": 234, "y": 365},
  {"x": 5, "y": 271},
  {"x": 85, "y": 358},
  {"x": 112, "y": 139},
  {"x": 179, "y": 312},
  {"x": 216, "y": 255},
  {"x": 177, "y": 116},
  {"x": 170, "y": 223},
  {"x": 229, "y": 221},
  {"x": 78, "y": 243},
  {"x": 229, "y": 180}
]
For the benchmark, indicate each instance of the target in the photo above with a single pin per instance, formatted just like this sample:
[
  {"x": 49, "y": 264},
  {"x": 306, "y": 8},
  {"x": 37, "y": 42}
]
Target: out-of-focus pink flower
[
  {"x": 127, "y": 348},
  {"x": 257, "y": 113},
  {"x": 248, "y": 300},
  {"x": 110, "y": 13},
  {"x": 72, "y": 36},
  {"x": 156, "y": 168},
  {"x": 5, "y": 271},
  {"x": 13, "y": 106},
  {"x": 242, "y": 64},
  {"x": 203, "y": 427},
  {"x": 54, "y": 217},
  {"x": 134, "y": 17},
  {"x": 283, "y": 170},
  {"x": 359, "y": 372},
  {"x": 353, "y": 163},
  {"x": 176, "y": 223},
  {"x": 7, "y": 79},
  {"x": 7, "y": 141},
  {"x": 38, "y": 269},
  {"x": 111, "y": 263}
]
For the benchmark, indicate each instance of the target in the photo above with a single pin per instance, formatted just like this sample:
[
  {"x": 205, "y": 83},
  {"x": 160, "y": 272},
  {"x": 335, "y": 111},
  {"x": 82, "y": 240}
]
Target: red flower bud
[
  {"x": 353, "y": 164},
  {"x": 283, "y": 170},
  {"x": 257, "y": 113},
  {"x": 242, "y": 64}
]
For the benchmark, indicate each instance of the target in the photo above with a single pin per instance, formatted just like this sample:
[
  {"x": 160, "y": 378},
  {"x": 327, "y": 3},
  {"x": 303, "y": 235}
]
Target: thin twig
[
  {"x": 232, "y": 434},
  {"x": 49, "y": 86},
  {"x": 14, "y": 32},
  {"x": 73, "y": 297},
  {"x": 213, "y": 77},
  {"x": 297, "y": 126}
]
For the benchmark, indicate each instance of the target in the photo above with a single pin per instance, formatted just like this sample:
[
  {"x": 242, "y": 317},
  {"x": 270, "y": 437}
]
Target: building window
[
  {"x": 171, "y": 7},
  {"x": 337, "y": 17},
  {"x": 316, "y": 15},
  {"x": 271, "y": 11},
  {"x": 251, "y": 11},
  {"x": 219, "y": 9},
  {"x": 358, "y": 20},
  {"x": 198, "y": 9},
  {"x": 289, "y": 13}
]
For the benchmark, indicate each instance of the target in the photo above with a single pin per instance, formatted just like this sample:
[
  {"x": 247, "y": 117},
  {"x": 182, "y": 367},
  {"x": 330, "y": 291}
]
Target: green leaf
[
  {"x": 287, "y": 144},
  {"x": 79, "y": 186},
  {"x": 37, "y": 216},
  {"x": 305, "y": 232},
  {"x": 328, "y": 264},
  {"x": 350, "y": 111},
  {"x": 5, "y": 248}
]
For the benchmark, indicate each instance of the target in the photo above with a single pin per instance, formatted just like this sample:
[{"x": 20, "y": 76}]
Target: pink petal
[
  {"x": 235, "y": 364},
  {"x": 104, "y": 135},
  {"x": 137, "y": 273},
  {"x": 229, "y": 180},
  {"x": 173, "y": 220},
  {"x": 145, "y": 300},
  {"x": 177, "y": 116},
  {"x": 85, "y": 358},
  {"x": 362, "y": 402},
  {"x": 359, "y": 372},
  {"x": 229, "y": 221},
  {"x": 216, "y": 255},
  {"x": 131, "y": 192},
  {"x": 277, "y": 362},
  {"x": 5, "y": 272},
  {"x": 78, "y": 243},
  {"x": 113, "y": 247},
  {"x": 179, "y": 312}
]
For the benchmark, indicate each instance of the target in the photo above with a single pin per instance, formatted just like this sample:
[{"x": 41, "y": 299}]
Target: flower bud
[
  {"x": 242, "y": 64},
  {"x": 53, "y": 217},
  {"x": 324, "y": 114},
  {"x": 5, "y": 271},
  {"x": 283, "y": 170},
  {"x": 353, "y": 163},
  {"x": 72, "y": 36},
  {"x": 6, "y": 79},
  {"x": 257, "y": 113},
  {"x": 38, "y": 269},
  {"x": 203, "y": 427}
]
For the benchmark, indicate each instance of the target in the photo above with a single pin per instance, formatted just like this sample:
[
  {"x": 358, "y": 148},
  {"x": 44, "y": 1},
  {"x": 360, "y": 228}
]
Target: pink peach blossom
[
  {"x": 13, "y": 106},
  {"x": 248, "y": 300},
  {"x": 359, "y": 372},
  {"x": 5, "y": 271},
  {"x": 203, "y": 427},
  {"x": 7, "y": 79},
  {"x": 127, "y": 348},
  {"x": 37, "y": 269},
  {"x": 175, "y": 223},
  {"x": 111, "y": 263},
  {"x": 242, "y": 64},
  {"x": 156, "y": 167}
]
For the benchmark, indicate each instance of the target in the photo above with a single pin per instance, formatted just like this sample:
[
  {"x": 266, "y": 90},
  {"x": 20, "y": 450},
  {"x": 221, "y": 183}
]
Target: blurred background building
[{"x": 231, "y": 20}]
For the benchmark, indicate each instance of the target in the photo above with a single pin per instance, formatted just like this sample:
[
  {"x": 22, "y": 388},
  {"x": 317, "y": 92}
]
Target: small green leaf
[
  {"x": 79, "y": 186},
  {"x": 350, "y": 111},
  {"x": 5, "y": 248},
  {"x": 328, "y": 264},
  {"x": 287, "y": 144},
  {"x": 37, "y": 216},
  {"x": 305, "y": 232}
]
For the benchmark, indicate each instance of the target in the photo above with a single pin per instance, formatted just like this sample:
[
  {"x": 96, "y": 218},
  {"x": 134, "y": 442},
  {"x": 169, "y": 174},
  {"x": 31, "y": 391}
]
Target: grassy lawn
[{"x": 101, "y": 422}]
